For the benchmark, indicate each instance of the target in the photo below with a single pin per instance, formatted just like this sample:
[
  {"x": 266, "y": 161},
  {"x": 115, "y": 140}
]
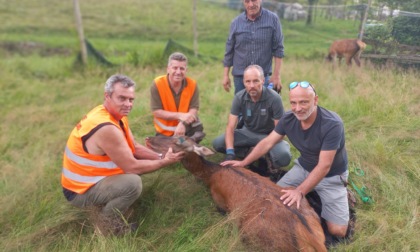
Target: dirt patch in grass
[{"x": 30, "y": 47}]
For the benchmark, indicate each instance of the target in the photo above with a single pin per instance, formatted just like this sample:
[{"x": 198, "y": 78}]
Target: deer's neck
[{"x": 199, "y": 167}]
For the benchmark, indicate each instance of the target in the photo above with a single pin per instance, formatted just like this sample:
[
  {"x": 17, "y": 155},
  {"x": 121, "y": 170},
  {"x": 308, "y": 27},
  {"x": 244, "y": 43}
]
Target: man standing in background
[{"x": 255, "y": 38}]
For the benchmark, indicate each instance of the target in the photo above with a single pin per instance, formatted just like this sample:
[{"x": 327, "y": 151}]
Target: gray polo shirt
[{"x": 258, "y": 116}]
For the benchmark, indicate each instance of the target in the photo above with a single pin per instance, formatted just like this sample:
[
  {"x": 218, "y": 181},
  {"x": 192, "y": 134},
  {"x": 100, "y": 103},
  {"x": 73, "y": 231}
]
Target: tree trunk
[
  {"x": 362, "y": 25},
  {"x": 310, "y": 11}
]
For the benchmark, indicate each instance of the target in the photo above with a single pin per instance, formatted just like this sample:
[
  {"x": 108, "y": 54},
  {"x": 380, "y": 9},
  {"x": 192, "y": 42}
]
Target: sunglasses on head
[{"x": 303, "y": 84}]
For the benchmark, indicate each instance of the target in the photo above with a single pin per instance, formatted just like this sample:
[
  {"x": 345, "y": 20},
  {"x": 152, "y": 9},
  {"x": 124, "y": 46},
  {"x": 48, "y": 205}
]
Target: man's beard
[{"x": 307, "y": 115}]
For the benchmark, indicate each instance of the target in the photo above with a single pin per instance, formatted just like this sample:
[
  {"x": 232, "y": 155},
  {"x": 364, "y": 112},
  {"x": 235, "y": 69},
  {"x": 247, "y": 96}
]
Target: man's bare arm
[
  {"x": 230, "y": 128},
  {"x": 326, "y": 159},
  {"x": 276, "y": 77},
  {"x": 226, "y": 80},
  {"x": 111, "y": 141},
  {"x": 189, "y": 117}
]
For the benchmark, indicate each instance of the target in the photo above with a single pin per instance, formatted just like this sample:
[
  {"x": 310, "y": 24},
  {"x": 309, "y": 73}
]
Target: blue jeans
[{"x": 238, "y": 81}]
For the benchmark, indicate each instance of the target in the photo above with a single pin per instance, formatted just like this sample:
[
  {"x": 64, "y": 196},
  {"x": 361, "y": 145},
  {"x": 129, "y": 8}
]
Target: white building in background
[{"x": 294, "y": 12}]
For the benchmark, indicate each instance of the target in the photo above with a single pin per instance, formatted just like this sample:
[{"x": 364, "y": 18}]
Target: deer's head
[{"x": 178, "y": 143}]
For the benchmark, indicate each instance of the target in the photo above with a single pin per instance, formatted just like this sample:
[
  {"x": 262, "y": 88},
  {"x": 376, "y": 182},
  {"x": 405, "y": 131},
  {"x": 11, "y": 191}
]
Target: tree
[
  {"x": 391, "y": 4},
  {"x": 310, "y": 11},
  {"x": 410, "y": 5},
  {"x": 406, "y": 5}
]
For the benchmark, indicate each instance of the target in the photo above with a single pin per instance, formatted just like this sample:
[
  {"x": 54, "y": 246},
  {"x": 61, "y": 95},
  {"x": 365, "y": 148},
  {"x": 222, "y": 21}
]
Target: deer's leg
[
  {"x": 348, "y": 60},
  {"x": 219, "y": 199},
  {"x": 357, "y": 58}
]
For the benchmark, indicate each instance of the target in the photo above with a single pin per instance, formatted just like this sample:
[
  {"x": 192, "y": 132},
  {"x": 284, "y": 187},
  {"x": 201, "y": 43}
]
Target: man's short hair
[
  {"x": 178, "y": 57},
  {"x": 259, "y": 69},
  {"x": 125, "y": 81}
]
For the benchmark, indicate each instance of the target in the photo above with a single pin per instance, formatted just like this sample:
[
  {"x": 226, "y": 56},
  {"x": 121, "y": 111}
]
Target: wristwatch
[{"x": 160, "y": 155}]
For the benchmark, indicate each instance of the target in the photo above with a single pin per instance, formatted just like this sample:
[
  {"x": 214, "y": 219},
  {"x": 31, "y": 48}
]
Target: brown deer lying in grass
[
  {"x": 347, "y": 48},
  {"x": 265, "y": 222}
]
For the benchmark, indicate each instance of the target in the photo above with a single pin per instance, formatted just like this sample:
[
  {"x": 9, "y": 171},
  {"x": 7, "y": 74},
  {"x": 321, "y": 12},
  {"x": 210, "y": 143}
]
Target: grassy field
[{"x": 44, "y": 95}]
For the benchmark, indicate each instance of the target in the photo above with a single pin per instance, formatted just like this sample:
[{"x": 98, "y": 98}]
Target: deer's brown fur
[
  {"x": 346, "y": 48},
  {"x": 265, "y": 222}
]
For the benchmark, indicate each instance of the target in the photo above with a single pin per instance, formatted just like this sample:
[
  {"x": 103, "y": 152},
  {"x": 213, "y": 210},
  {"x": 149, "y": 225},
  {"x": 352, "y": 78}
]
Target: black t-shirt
[{"x": 326, "y": 133}]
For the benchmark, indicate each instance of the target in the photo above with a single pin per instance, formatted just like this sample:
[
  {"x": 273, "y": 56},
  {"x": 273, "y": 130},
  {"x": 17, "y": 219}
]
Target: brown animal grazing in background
[
  {"x": 347, "y": 48},
  {"x": 265, "y": 222}
]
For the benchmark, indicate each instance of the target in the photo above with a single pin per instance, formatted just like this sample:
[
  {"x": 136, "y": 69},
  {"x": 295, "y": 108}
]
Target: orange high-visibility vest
[
  {"x": 167, "y": 127},
  {"x": 82, "y": 170}
]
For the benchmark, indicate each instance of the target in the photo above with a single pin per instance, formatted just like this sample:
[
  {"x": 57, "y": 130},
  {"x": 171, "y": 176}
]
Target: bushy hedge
[
  {"x": 406, "y": 30},
  {"x": 402, "y": 29},
  {"x": 379, "y": 32}
]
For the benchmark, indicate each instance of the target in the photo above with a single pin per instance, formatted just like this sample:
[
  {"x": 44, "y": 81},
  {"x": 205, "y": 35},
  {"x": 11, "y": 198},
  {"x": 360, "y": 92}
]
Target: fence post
[
  {"x": 195, "y": 45},
  {"x": 79, "y": 27}
]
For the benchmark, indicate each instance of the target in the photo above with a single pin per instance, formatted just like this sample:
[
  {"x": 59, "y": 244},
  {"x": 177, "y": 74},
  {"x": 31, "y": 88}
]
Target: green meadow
[{"x": 45, "y": 92}]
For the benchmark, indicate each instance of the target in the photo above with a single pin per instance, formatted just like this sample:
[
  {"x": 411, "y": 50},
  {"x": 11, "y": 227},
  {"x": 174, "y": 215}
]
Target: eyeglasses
[{"x": 303, "y": 84}]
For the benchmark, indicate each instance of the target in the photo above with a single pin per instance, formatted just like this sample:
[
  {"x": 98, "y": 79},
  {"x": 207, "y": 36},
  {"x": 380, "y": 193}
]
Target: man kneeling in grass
[
  {"x": 102, "y": 161},
  {"x": 318, "y": 134},
  {"x": 261, "y": 109}
]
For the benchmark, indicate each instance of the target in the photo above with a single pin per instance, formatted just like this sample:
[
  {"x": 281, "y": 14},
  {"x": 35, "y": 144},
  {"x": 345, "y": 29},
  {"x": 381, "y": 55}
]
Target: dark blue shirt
[
  {"x": 326, "y": 133},
  {"x": 254, "y": 42}
]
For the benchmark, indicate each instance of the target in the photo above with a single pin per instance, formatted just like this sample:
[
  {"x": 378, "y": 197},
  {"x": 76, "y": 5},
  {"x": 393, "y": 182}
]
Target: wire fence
[{"x": 296, "y": 11}]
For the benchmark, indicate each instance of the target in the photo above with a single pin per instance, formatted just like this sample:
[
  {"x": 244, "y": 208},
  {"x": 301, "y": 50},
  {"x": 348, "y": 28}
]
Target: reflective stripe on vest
[
  {"x": 88, "y": 162},
  {"x": 82, "y": 179},
  {"x": 163, "y": 126}
]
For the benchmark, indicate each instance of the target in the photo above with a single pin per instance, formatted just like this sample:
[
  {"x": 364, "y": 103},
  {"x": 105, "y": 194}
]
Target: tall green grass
[
  {"x": 121, "y": 29},
  {"x": 43, "y": 96}
]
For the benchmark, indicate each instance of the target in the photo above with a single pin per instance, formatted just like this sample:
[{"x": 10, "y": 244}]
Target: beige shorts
[{"x": 331, "y": 190}]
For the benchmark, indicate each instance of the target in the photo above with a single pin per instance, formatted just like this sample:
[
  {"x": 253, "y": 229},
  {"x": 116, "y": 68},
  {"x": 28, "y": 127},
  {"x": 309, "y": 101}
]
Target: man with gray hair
[
  {"x": 261, "y": 109},
  {"x": 255, "y": 37},
  {"x": 175, "y": 100},
  {"x": 102, "y": 161}
]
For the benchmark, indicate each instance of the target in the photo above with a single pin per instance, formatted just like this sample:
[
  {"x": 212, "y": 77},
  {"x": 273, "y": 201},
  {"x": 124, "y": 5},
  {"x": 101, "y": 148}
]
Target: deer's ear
[{"x": 203, "y": 151}]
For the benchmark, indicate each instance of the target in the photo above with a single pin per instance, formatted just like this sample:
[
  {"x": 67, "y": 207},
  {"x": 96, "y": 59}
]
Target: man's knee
[
  {"x": 219, "y": 144},
  {"x": 132, "y": 190},
  {"x": 294, "y": 177},
  {"x": 337, "y": 230},
  {"x": 133, "y": 185},
  {"x": 125, "y": 185},
  {"x": 285, "y": 183},
  {"x": 282, "y": 160},
  {"x": 281, "y": 157}
]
